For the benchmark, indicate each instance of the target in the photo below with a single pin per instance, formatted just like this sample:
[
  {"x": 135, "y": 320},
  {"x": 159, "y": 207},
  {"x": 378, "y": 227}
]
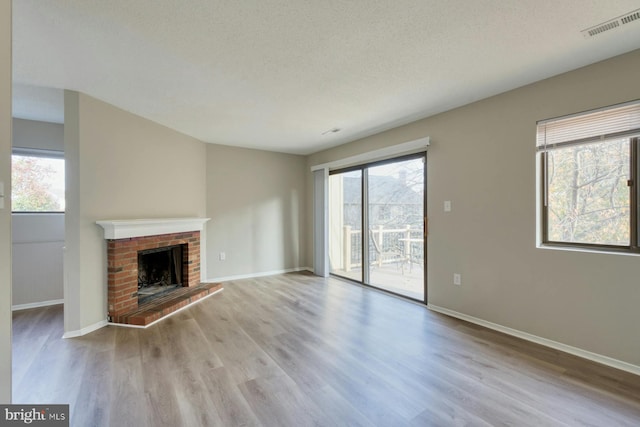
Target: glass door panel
[
  {"x": 345, "y": 224},
  {"x": 395, "y": 218}
]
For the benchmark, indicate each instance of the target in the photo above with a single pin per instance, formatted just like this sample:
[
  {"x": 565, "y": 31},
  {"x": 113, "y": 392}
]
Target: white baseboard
[
  {"x": 261, "y": 274},
  {"x": 18, "y": 307},
  {"x": 595, "y": 357},
  {"x": 85, "y": 331}
]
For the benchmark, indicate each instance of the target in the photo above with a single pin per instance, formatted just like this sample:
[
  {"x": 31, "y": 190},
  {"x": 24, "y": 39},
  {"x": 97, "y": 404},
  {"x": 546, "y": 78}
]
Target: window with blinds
[{"x": 589, "y": 169}]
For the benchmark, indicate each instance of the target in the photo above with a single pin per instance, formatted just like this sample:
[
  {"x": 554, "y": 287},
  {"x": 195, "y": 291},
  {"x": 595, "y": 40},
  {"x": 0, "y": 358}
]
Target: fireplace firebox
[{"x": 159, "y": 271}]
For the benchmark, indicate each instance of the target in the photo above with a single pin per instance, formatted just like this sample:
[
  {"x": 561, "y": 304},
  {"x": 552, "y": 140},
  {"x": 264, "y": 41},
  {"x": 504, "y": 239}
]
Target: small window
[
  {"x": 37, "y": 181},
  {"x": 589, "y": 172}
]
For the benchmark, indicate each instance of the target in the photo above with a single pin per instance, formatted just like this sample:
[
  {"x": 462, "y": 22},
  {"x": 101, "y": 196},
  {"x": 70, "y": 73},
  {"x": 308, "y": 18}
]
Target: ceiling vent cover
[
  {"x": 630, "y": 17},
  {"x": 611, "y": 24}
]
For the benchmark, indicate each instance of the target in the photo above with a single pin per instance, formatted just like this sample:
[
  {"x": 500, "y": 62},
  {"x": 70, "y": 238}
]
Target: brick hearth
[{"x": 160, "y": 307}]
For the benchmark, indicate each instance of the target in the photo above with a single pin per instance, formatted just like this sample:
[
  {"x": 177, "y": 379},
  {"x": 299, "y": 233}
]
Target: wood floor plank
[
  {"x": 196, "y": 406},
  {"x": 187, "y": 346},
  {"x": 161, "y": 403},
  {"x": 95, "y": 401},
  {"x": 127, "y": 343},
  {"x": 297, "y": 349},
  {"x": 243, "y": 358},
  {"x": 277, "y": 400},
  {"x": 128, "y": 396},
  {"x": 232, "y": 408},
  {"x": 32, "y": 329}
]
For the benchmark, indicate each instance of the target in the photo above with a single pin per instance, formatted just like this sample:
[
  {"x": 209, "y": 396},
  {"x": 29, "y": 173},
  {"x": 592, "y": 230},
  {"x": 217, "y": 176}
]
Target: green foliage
[{"x": 30, "y": 186}]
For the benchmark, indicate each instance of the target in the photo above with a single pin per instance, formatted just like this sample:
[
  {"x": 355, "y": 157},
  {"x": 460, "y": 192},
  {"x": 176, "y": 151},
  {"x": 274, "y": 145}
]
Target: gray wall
[
  {"x": 37, "y": 239},
  {"x": 255, "y": 200},
  {"x": 482, "y": 158},
  {"x": 118, "y": 166},
  {"x": 5, "y": 213},
  {"x": 37, "y": 242}
]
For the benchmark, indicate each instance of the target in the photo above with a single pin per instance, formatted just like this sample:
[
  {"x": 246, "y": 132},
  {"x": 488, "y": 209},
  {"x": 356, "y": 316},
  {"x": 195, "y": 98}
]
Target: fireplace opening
[{"x": 159, "y": 271}]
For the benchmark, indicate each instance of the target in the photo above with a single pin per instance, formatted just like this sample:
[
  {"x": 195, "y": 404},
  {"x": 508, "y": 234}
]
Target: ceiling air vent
[
  {"x": 630, "y": 17},
  {"x": 611, "y": 24}
]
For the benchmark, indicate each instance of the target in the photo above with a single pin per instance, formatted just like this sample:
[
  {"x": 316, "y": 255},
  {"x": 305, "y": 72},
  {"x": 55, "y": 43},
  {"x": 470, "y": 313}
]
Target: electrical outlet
[
  {"x": 457, "y": 279},
  {"x": 223, "y": 256}
]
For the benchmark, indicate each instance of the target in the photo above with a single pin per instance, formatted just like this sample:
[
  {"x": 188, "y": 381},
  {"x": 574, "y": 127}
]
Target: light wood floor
[{"x": 298, "y": 350}]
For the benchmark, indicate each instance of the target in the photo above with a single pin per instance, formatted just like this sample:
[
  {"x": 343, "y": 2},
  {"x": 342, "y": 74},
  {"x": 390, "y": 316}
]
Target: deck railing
[{"x": 386, "y": 246}]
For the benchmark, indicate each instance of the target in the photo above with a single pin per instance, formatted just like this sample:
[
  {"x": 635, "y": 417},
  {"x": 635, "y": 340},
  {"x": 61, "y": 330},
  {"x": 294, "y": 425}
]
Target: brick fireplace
[{"x": 126, "y": 241}]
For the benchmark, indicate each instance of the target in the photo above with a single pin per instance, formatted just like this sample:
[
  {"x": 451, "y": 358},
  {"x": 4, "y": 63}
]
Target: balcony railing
[{"x": 386, "y": 246}]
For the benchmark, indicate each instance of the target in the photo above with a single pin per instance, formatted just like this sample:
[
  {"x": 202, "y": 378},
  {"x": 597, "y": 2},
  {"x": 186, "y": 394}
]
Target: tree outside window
[
  {"x": 37, "y": 184},
  {"x": 588, "y": 195}
]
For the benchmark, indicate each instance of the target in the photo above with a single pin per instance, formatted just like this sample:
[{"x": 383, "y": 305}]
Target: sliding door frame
[{"x": 364, "y": 212}]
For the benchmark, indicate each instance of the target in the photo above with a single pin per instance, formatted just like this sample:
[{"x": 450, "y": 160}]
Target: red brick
[{"x": 122, "y": 259}]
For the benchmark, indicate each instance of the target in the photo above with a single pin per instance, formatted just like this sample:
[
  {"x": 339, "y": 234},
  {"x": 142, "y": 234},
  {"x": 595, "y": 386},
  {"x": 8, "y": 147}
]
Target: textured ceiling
[{"x": 277, "y": 74}]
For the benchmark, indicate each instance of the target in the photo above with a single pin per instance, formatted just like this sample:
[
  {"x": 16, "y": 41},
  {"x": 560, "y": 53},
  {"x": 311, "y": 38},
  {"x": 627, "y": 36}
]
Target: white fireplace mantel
[{"x": 123, "y": 229}]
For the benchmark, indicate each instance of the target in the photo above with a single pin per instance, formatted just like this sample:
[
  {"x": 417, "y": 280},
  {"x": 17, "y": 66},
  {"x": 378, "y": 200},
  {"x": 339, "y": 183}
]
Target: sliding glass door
[
  {"x": 376, "y": 223},
  {"x": 345, "y": 224}
]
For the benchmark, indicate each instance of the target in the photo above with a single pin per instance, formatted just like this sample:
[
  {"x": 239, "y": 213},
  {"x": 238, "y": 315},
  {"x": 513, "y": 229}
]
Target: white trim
[
  {"x": 27, "y": 306},
  {"x": 595, "y": 357},
  {"x": 85, "y": 331},
  {"x": 262, "y": 274},
  {"x": 122, "y": 229},
  {"x": 603, "y": 251},
  {"x": 381, "y": 154},
  {"x": 191, "y": 304}
]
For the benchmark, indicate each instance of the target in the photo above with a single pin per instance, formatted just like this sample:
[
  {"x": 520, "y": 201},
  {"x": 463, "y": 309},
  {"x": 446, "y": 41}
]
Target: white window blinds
[{"x": 604, "y": 123}]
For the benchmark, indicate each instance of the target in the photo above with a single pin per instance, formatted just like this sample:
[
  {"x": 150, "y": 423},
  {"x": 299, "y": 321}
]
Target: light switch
[
  {"x": 1, "y": 195},
  {"x": 447, "y": 205}
]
